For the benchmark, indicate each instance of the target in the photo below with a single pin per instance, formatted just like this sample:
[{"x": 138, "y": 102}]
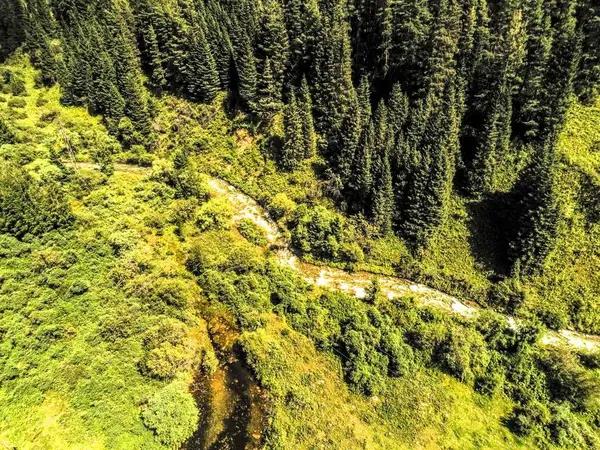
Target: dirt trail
[{"x": 356, "y": 283}]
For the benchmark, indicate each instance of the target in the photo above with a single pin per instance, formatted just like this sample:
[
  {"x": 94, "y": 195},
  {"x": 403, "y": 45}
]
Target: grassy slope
[
  {"x": 571, "y": 284},
  {"x": 76, "y": 307},
  {"x": 66, "y": 386},
  {"x": 312, "y": 407},
  {"x": 463, "y": 255}
]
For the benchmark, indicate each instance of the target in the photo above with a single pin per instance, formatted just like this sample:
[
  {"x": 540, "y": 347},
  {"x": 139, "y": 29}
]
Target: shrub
[
  {"x": 49, "y": 116},
  {"x": 172, "y": 414},
  {"x": 530, "y": 419},
  {"x": 188, "y": 183},
  {"x": 316, "y": 231},
  {"x": 216, "y": 214},
  {"x": 169, "y": 350},
  {"x": 506, "y": 295},
  {"x": 17, "y": 85},
  {"x": 6, "y": 135},
  {"x": 281, "y": 206},
  {"x": 464, "y": 354},
  {"x": 28, "y": 206},
  {"x": 79, "y": 287},
  {"x": 166, "y": 360},
  {"x": 183, "y": 210},
  {"x": 590, "y": 360},
  {"x": 567, "y": 379},
  {"x": 566, "y": 429},
  {"x": 252, "y": 232},
  {"x": 41, "y": 101},
  {"x": 17, "y": 103}
]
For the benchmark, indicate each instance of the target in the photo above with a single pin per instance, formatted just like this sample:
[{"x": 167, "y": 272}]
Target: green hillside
[{"x": 286, "y": 224}]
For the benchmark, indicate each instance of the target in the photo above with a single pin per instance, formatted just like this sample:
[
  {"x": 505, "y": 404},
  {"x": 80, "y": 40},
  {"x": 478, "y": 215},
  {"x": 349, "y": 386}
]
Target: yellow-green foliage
[
  {"x": 100, "y": 319},
  {"x": 44, "y": 125},
  {"x": 567, "y": 292},
  {"x": 313, "y": 408}
]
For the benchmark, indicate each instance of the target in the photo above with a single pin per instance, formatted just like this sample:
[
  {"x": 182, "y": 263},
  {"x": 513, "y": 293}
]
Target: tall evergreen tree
[
  {"x": 201, "y": 70},
  {"x": 12, "y": 26},
  {"x": 245, "y": 64},
  {"x": 157, "y": 72},
  {"x": 308, "y": 125},
  {"x": 268, "y": 95},
  {"x": 273, "y": 42},
  {"x": 383, "y": 193},
  {"x": 293, "y": 146},
  {"x": 536, "y": 213}
]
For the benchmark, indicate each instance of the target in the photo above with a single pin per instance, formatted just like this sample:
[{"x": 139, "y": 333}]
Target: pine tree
[
  {"x": 429, "y": 183},
  {"x": 273, "y": 42},
  {"x": 333, "y": 78},
  {"x": 293, "y": 146},
  {"x": 201, "y": 70},
  {"x": 383, "y": 193},
  {"x": 361, "y": 185},
  {"x": 528, "y": 103},
  {"x": 587, "y": 82},
  {"x": 40, "y": 29},
  {"x": 308, "y": 126},
  {"x": 245, "y": 64},
  {"x": 157, "y": 72},
  {"x": 128, "y": 74},
  {"x": 268, "y": 96},
  {"x": 398, "y": 109},
  {"x": 12, "y": 27},
  {"x": 536, "y": 213}
]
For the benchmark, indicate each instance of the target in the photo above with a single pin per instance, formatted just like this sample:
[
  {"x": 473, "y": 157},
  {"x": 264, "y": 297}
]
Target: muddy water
[{"x": 230, "y": 407}]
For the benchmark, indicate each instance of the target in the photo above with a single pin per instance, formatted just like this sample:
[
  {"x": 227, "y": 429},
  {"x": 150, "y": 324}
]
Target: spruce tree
[
  {"x": 587, "y": 82},
  {"x": 398, "y": 109},
  {"x": 293, "y": 146},
  {"x": 361, "y": 184},
  {"x": 129, "y": 76},
  {"x": 273, "y": 42},
  {"x": 536, "y": 212},
  {"x": 157, "y": 72},
  {"x": 245, "y": 64},
  {"x": 268, "y": 95},
  {"x": 201, "y": 70},
  {"x": 12, "y": 27},
  {"x": 308, "y": 125},
  {"x": 383, "y": 193}
]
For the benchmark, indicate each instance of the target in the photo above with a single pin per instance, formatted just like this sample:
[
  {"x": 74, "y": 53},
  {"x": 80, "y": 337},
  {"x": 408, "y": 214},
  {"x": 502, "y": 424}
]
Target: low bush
[
  {"x": 252, "y": 232},
  {"x": 172, "y": 414},
  {"x": 216, "y": 214},
  {"x": 17, "y": 103}
]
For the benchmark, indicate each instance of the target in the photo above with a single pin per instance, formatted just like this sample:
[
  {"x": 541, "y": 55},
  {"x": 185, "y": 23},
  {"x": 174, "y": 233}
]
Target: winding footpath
[{"x": 355, "y": 283}]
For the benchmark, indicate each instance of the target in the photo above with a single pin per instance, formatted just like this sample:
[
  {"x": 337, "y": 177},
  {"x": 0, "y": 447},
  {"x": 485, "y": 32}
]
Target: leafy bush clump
[
  {"x": 17, "y": 103},
  {"x": 28, "y": 206},
  {"x": 170, "y": 350},
  {"x": 6, "y": 135},
  {"x": 316, "y": 231},
  {"x": 281, "y": 206},
  {"x": 252, "y": 232},
  {"x": 216, "y": 214},
  {"x": 172, "y": 414}
]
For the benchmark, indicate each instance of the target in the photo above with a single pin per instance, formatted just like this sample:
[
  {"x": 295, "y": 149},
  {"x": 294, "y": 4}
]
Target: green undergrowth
[
  {"x": 466, "y": 257},
  {"x": 97, "y": 321},
  {"x": 104, "y": 317}
]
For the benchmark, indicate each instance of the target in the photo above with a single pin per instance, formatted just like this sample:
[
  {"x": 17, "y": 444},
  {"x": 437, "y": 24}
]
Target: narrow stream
[{"x": 232, "y": 408}]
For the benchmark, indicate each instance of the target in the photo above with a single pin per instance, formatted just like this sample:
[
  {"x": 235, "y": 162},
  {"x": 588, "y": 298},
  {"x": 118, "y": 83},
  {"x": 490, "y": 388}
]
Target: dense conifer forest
[{"x": 453, "y": 143}]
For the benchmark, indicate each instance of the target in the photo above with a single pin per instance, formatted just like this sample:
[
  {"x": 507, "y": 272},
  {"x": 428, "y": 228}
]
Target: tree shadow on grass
[{"x": 489, "y": 224}]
